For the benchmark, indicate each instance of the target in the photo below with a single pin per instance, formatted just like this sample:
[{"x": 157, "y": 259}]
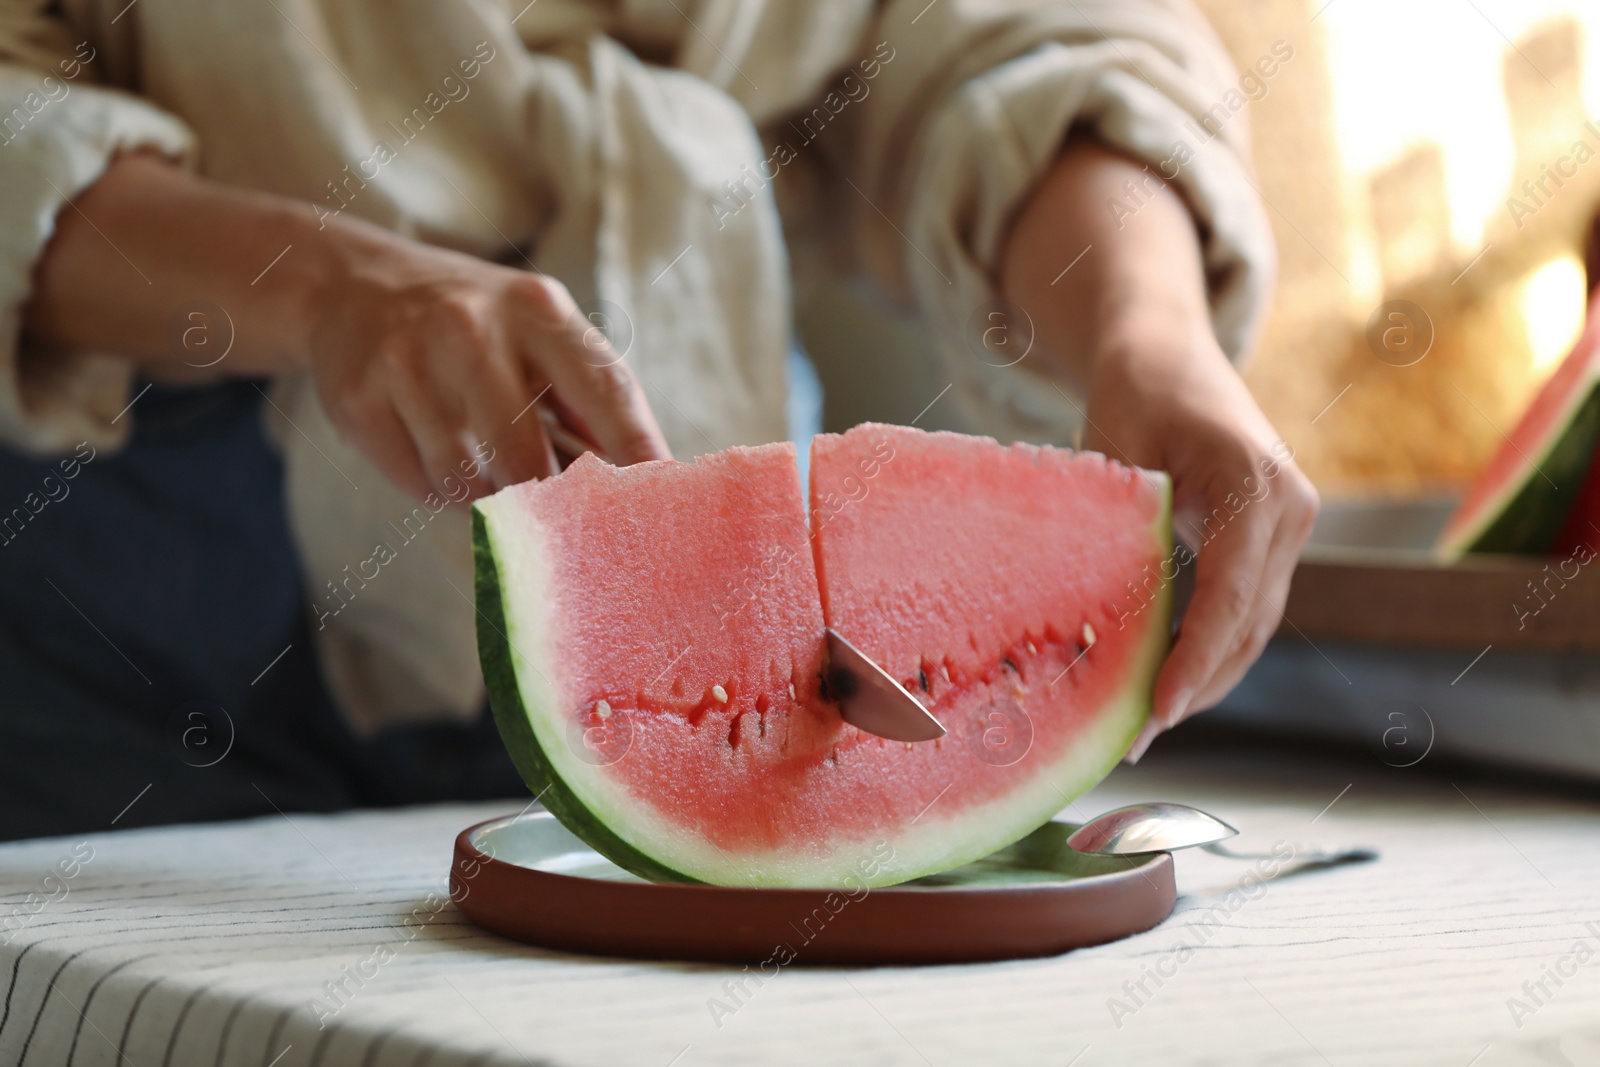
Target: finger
[
  {"x": 470, "y": 360},
  {"x": 523, "y": 456},
  {"x": 589, "y": 375},
  {"x": 1289, "y": 538},
  {"x": 1251, "y": 638},
  {"x": 1151, "y": 731},
  {"x": 500, "y": 411},
  {"x": 436, "y": 434},
  {"x": 537, "y": 455},
  {"x": 572, "y": 421},
  {"x": 1224, "y": 601},
  {"x": 552, "y": 459},
  {"x": 546, "y": 460},
  {"x": 383, "y": 438}
]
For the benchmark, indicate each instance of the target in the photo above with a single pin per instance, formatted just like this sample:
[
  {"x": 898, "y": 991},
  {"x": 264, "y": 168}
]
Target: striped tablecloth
[{"x": 293, "y": 940}]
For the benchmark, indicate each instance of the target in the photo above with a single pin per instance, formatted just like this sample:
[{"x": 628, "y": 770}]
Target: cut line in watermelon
[
  {"x": 1521, "y": 502},
  {"x": 652, "y": 638}
]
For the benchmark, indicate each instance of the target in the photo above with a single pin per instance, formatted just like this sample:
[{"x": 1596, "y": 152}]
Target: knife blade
[
  {"x": 870, "y": 699},
  {"x": 568, "y": 444}
]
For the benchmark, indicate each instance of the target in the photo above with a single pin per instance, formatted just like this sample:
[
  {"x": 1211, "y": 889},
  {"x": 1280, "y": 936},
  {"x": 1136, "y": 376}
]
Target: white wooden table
[{"x": 212, "y": 945}]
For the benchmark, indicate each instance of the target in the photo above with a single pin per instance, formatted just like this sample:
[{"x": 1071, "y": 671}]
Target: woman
[{"x": 285, "y": 281}]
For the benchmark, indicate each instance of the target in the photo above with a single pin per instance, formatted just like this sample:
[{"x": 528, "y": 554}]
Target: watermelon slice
[
  {"x": 1522, "y": 500},
  {"x": 652, "y": 640},
  {"x": 1582, "y": 527}
]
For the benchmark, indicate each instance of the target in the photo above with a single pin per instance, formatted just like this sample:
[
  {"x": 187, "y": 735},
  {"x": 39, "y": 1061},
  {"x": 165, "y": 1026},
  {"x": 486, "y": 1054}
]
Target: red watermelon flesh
[
  {"x": 992, "y": 582},
  {"x": 1522, "y": 500},
  {"x": 652, "y": 638}
]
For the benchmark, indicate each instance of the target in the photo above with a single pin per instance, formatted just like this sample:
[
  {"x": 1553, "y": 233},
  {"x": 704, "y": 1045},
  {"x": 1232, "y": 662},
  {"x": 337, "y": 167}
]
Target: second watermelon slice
[{"x": 1523, "y": 500}]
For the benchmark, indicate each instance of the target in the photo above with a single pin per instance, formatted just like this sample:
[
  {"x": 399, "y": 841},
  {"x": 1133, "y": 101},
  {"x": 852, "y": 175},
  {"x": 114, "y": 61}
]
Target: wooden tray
[
  {"x": 1382, "y": 597},
  {"x": 1384, "y": 647},
  {"x": 526, "y": 877}
]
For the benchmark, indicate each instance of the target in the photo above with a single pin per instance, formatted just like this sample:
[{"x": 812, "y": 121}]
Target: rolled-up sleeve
[
  {"x": 972, "y": 111},
  {"x": 58, "y": 132}
]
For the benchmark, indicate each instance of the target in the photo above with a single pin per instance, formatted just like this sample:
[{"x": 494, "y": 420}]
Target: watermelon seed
[
  {"x": 922, "y": 679},
  {"x": 1007, "y": 661},
  {"x": 944, "y": 670},
  {"x": 602, "y": 709},
  {"x": 791, "y": 691},
  {"x": 720, "y": 693},
  {"x": 1088, "y": 634},
  {"x": 1031, "y": 650}
]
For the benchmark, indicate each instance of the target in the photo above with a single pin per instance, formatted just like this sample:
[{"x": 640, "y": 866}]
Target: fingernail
[
  {"x": 1151, "y": 731},
  {"x": 1178, "y": 706}
]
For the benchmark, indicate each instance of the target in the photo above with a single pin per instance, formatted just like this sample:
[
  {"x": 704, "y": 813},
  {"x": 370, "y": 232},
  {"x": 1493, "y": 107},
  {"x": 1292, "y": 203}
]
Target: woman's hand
[
  {"x": 1171, "y": 401},
  {"x": 1128, "y": 327},
  {"x": 420, "y": 355}
]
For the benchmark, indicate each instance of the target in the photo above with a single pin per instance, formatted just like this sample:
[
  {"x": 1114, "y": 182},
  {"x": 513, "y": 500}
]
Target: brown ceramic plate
[{"x": 526, "y": 877}]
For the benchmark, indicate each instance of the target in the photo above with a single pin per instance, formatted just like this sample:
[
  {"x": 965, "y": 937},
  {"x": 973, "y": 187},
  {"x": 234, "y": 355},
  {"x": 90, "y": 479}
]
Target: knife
[
  {"x": 569, "y": 446},
  {"x": 870, "y": 699}
]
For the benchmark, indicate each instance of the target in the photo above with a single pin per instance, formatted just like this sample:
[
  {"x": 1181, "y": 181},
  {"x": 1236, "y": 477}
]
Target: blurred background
[{"x": 1392, "y": 150}]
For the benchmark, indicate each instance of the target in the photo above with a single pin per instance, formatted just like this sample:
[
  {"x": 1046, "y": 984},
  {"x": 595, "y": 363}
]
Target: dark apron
[{"x": 147, "y": 600}]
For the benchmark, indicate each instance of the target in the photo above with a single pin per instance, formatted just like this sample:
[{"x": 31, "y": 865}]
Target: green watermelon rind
[
  {"x": 515, "y": 722},
  {"x": 1120, "y": 719},
  {"x": 1526, "y": 516}
]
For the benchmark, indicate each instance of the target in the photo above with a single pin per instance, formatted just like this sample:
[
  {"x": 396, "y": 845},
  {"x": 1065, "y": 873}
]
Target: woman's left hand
[
  {"x": 1240, "y": 505},
  {"x": 1128, "y": 328}
]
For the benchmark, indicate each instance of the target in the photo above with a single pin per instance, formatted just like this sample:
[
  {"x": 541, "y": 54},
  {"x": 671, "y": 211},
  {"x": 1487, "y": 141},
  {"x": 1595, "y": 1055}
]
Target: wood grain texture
[{"x": 1506, "y": 601}]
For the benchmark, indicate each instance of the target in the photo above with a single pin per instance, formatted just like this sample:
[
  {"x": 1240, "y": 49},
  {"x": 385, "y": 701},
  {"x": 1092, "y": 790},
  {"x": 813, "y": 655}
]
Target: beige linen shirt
[{"x": 646, "y": 152}]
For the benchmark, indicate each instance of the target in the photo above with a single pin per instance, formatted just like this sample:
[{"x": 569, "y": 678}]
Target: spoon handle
[{"x": 1301, "y": 853}]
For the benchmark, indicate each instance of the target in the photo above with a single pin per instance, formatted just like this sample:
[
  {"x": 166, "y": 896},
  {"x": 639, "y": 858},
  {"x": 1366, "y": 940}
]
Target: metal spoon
[{"x": 1164, "y": 827}]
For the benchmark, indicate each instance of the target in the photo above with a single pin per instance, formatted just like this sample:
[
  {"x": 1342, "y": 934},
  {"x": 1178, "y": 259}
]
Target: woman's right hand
[{"x": 422, "y": 356}]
